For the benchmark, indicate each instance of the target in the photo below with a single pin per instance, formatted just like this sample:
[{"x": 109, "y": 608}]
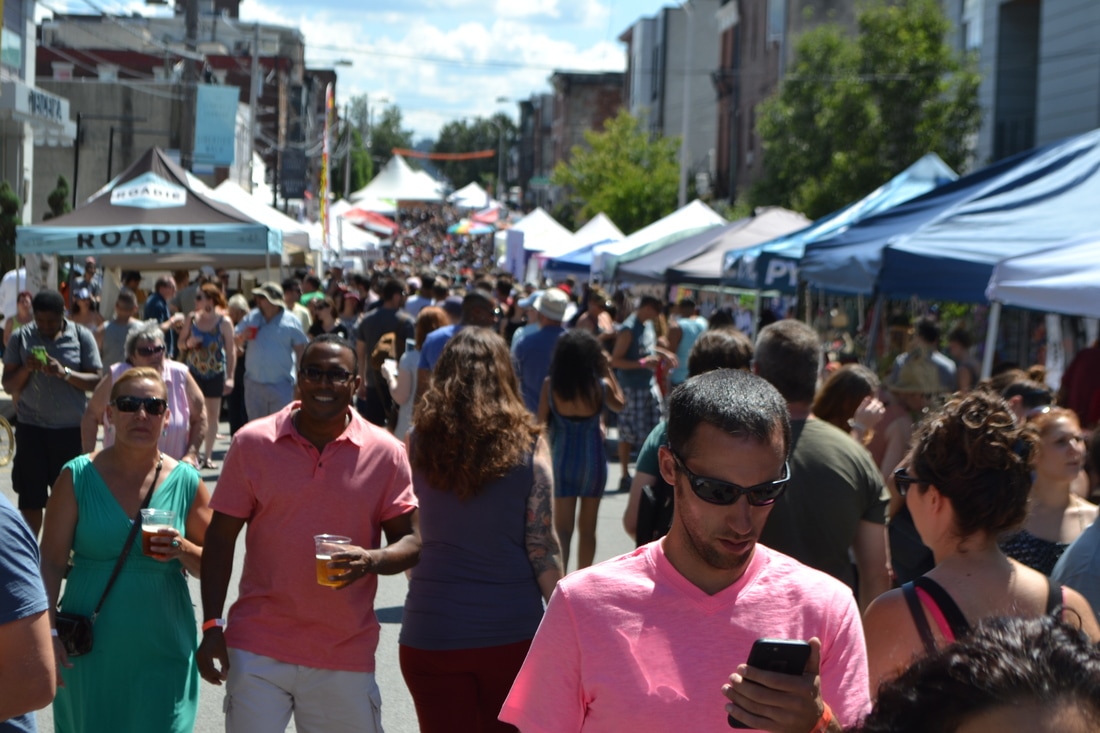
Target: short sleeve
[
  {"x": 15, "y": 353},
  {"x": 548, "y": 694},
  {"x": 399, "y": 498},
  {"x": 89, "y": 352},
  {"x": 23, "y": 592},
  {"x": 844, "y": 675},
  {"x": 235, "y": 494},
  {"x": 875, "y": 490},
  {"x": 647, "y": 456}
]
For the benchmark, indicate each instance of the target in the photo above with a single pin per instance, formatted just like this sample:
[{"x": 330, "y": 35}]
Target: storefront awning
[{"x": 46, "y": 113}]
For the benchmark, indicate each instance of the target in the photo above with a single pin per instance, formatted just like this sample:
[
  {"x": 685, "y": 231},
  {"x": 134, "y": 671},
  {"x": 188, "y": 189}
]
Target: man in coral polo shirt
[
  {"x": 291, "y": 644},
  {"x": 656, "y": 640}
]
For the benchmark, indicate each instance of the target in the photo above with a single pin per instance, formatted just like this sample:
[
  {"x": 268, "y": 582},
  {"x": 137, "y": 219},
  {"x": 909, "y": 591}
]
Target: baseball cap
[
  {"x": 530, "y": 300},
  {"x": 453, "y": 306},
  {"x": 552, "y": 304},
  {"x": 84, "y": 294},
  {"x": 270, "y": 290}
]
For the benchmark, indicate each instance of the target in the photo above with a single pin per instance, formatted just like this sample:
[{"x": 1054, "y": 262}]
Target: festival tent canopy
[
  {"x": 943, "y": 245},
  {"x": 774, "y": 265},
  {"x": 598, "y": 230},
  {"x": 470, "y": 196},
  {"x": 540, "y": 231},
  {"x": 371, "y": 221},
  {"x": 1063, "y": 279},
  {"x": 680, "y": 224},
  {"x": 150, "y": 215},
  {"x": 398, "y": 182},
  {"x": 704, "y": 265},
  {"x": 294, "y": 232}
]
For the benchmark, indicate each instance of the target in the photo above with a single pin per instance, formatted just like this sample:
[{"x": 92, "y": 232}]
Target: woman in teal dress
[{"x": 141, "y": 673}]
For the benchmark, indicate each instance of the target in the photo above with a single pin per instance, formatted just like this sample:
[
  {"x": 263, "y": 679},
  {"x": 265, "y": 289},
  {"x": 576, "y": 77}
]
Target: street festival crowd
[{"x": 819, "y": 549}]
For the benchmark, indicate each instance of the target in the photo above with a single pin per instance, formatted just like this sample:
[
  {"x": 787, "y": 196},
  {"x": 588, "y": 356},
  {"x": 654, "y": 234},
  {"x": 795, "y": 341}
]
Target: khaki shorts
[{"x": 262, "y": 693}]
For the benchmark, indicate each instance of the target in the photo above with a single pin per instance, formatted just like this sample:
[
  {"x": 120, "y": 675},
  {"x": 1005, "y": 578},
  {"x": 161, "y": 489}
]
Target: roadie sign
[
  {"x": 149, "y": 191},
  {"x": 195, "y": 238}
]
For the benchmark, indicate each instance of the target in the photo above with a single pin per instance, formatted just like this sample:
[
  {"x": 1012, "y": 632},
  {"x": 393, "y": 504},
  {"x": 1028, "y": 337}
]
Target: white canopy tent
[
  {"x": 598, "y": 229},
  {"x": 398, "y": 182},
  {"x": 343, "y": 235},
  {"x": 1063, "y": 279},
  {"x": 470, "y": 196},
  {"x": 541, "y": 231},
  {"x": 294, "y": 233},
  {"x": 687, "y": 220}
]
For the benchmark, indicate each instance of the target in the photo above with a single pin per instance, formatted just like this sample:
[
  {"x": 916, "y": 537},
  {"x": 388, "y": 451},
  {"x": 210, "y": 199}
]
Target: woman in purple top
[{"x": 490, "y": 557}]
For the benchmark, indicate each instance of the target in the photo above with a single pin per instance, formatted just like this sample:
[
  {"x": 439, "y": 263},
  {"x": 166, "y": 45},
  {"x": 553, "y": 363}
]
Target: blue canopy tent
[
  {"x": 943, "y": 245},
  {"x": 151, "y": 217},
  {"x": 773, "y": 266}
]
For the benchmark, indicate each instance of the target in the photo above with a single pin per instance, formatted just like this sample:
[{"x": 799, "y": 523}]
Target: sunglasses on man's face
[
  {"x": 724, "y": 493},
  {"x": 149, "y": 350},
  {"x": 154, "y": 406}
]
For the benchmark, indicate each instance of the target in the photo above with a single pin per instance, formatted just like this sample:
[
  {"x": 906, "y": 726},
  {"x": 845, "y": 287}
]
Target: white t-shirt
[{"x": 632, "y": 645}]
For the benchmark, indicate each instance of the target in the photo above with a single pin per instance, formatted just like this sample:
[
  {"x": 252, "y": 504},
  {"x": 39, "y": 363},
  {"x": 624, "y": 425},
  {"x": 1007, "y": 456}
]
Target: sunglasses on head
[
  {"x": 902, "y": 480},
  {"x": 724, "y": 493},
  {"x": 149, "y": 350},
  {"x": 153, "y": 405},
  {"x": 336, "y": 376}
]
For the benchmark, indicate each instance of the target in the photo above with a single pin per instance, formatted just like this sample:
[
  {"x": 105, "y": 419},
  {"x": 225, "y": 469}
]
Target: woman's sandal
[{"x": 207, "y": 463}]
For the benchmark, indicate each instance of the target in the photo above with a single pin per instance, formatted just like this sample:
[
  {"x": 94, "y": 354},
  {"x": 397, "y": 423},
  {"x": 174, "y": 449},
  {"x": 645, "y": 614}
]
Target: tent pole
[{"x": 991, "y": 331}]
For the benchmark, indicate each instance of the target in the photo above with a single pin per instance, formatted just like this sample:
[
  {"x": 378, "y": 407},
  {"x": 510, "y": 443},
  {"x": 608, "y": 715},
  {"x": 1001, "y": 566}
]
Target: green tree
[
  {"x": 855, "y": 111},
  {"x": 10, "y": 218},
  {"x": 627, "y": 174},
  {"x": 362, "y": 169},
  {"x": 468, "y": 136},
  {"x": 58, "y": 200},
  {"x": 387, "y": 134}
]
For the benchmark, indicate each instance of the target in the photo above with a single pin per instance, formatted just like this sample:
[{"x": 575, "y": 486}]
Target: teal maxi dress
[{"x": 141, "y": 674}]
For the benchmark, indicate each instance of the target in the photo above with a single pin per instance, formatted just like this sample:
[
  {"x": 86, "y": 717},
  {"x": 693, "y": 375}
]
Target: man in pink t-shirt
[
  {"x": 315, "y": 467},
  {"x": 657, "y": 640}
]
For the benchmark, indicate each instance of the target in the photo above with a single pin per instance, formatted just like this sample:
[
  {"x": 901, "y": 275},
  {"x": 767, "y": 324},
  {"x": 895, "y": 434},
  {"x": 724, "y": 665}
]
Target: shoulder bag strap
[
  {"x": 135, "y": 527},
  {"x": 960, "y": 627},
  {"x": 917, "y": 612},
  {"x": 1055, "y": 599}
]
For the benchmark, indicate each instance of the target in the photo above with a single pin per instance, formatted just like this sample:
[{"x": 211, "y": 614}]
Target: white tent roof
[
  {"x": 1063, "y": 279},
  {"x": 470, "y": 196},
  {"x": 293, "y": 232},
  {"x": 399, "y": 182},
  {"x": 598, "y": 229},
  {"x": 342, "y": 233},
  {"x": 541, "y": 231},
  {"x": 695, "y": 215}
]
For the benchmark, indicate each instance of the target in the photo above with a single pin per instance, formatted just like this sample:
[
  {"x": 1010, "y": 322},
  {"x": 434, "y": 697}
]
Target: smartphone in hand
[{"x": 786, "y": 656}]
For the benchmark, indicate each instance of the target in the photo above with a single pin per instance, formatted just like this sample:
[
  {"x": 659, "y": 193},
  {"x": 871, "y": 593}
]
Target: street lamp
[{"x": 500, "y": 151}]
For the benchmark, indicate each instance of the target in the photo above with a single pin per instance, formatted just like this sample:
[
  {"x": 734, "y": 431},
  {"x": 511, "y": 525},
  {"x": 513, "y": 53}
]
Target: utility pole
[
  {"x": 347, "y": 158},
  {"x": 190, "y": 85},
  {"x": 253, "y": 99}
]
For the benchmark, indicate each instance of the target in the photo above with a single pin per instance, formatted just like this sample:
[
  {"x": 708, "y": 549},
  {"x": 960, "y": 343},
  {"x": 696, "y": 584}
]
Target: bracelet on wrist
[
  {"x": 214, "y": 623},
  {"x": 857, "y": 425},
  {"x": 822, "y": 723}
]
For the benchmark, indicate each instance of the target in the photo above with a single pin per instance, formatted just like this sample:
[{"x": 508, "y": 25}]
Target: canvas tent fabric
[
  {"x": 599, "y": 229},
  {"x": 344, "y": 236},
  {"x": 150, "y": 215},
  {"x": 943, "y": 245},
  {"x": 398, "y": 182},
  {"x": 1061, "y": 279},
  {"x": 705, "y": 266},
  {"x": 294, "y": 232},
  {"x": 685, "y": 221},
  {"x": 470, "y": 196},
  {"x": 540, "y": 231},
  {"x": 773, "y": 266}
]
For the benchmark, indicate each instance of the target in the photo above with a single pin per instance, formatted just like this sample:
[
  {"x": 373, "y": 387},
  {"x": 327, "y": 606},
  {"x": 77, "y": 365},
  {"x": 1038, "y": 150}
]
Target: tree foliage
[
  {"x": 10, "y": 218},
  {"x": 625, "y": 173},
  {"x": 362, "y": 169},
  {"x": 855, "y": 111},
  {"x": 387, "y": 132},
  {"x": 469, "y": 136},
  {"x": 58, "y": 199}
]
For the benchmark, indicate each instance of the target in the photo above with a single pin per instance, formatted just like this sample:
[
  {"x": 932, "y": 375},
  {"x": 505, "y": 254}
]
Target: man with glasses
[
  {"x": 291, "y": 644},
  {"x": 651, "y": 640},
  {"x": 836, "y": 500}
]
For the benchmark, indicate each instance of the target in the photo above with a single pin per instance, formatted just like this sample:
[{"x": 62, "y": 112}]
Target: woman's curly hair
[
  {"x": 1005, "y": 661},
  {"x": 471, "y": 426},
  {"x": 974, "y": 453}
]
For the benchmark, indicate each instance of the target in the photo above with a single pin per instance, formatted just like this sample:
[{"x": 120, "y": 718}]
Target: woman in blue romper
[{"x": 580, "y": 385}]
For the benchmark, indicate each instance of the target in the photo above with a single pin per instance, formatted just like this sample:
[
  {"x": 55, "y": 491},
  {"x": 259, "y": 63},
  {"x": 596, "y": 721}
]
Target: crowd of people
[{"x": 911, "y": 538}]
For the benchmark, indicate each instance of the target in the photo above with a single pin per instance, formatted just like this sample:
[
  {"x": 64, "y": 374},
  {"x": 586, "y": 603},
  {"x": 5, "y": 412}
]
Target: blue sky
[{"x": 440, "y": 60}]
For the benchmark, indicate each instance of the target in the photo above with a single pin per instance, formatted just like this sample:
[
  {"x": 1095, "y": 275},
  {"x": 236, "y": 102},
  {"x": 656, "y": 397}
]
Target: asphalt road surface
[{"x": 398, "y": 715}]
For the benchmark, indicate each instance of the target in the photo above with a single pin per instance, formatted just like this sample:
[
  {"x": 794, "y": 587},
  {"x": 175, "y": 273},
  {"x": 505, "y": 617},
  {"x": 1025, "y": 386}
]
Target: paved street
[{"x": 397, "y": 709}]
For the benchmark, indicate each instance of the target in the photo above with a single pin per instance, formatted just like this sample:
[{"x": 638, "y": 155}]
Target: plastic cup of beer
[
  {"x": 325, "y": 546},
  {"x": 250, "y": 332},
  {"x": 152, "y": 522}
]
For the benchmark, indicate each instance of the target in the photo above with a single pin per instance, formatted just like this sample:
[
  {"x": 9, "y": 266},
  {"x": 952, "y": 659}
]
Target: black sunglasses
[
  {"x": 724, "y": 493},
  {"x": 336, "y": 376},
  {"x": 154, "y": 406},
  {"x": 149, "y": 350},
  {"x": 902, "y": 480}
]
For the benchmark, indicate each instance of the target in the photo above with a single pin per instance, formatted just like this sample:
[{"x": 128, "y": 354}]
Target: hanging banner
[
  {"x": 216, "y": 125},
  {"x": 330, "y": 106}
]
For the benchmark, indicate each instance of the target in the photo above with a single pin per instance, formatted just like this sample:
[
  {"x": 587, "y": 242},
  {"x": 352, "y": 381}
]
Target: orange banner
[{"x": 476, "y": 155}]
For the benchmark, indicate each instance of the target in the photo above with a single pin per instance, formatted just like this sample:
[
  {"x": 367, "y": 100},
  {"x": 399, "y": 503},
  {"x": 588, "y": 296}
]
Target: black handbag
[{"x": 75, "y": 630}]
